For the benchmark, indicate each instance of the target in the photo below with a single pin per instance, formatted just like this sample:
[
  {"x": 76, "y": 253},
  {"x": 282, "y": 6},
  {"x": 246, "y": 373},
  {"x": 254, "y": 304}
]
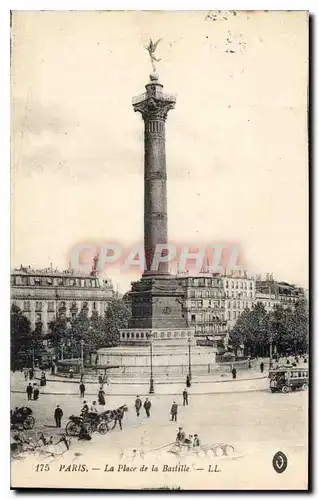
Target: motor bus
[{"x": 285, "y": 379}]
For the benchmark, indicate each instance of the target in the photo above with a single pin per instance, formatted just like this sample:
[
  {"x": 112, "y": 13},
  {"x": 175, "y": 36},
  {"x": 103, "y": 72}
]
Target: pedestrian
[
  {"x": 31, "y": 373},
  {"x": 43, "y": 380},
  {"x": 138, "y": 405},
  {"x": 85, "y": 409},
  {"x": 58, "y": 414},
  {"x": 188, "y": 381},
  {"x": 36, "y": 392},
  {"x": 147, "y": 407},
  {"x": 234, "y": 373},
  {"x": 249, "y": 364},
  {"x": 93, "y": 408},
  {"x": 25, "y": 371},
  {"x": 174, "y": 412},
  {"x": 180, "y": 438},
  {"x": 100, "y": 380},
  {"x": 81, "y": 378},
  {"x": 82, "y": 390},
  {"x": 262, "y": 367},
  {"x": 185, "y": 397},
  {"x": 29, "y": 391},
  {"x": 101, "y": 397},
  {"x": 196, "y": 441},
  {"x": 71, "y": 373}
]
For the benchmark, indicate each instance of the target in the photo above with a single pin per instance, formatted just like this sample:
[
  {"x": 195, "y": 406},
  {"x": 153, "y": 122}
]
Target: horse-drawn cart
[
  {"x": 210, "y": 451},
  {"x": 22, "y": 418}
]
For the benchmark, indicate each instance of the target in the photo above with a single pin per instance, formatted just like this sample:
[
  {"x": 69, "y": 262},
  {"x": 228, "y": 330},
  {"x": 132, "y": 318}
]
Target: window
[
  {"x": 193, "y": 317},
  {"x": 51, "y": 306},
  {"x": 38, "y": 306},
  {"x": 26, "y": 305},
  {"x": 228, "y": 314},
  {"x": 191, "y": 293},
  {"x": 199, "y": 303},
  {"x": 127, "y": 335},
  {"x": 137, "y": 335},
  {"x": 142, "y": 335},
  {"x": 226, "y": 284},
  {"x": 94, "y": 305},
  {"x": 38, "y": 317}
]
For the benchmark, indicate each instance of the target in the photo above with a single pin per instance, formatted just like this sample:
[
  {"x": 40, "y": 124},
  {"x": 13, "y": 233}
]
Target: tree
[
  {"x": 285, "y": 328},
  {"x": 95, "y": 332},
  {"x": 251, "y": 329},
  {"x": 116, "y": 317},
  {"x": 21, "y": 338}
]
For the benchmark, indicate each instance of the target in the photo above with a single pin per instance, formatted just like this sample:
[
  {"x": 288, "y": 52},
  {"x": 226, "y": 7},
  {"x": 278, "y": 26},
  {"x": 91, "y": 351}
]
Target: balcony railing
[{"x": 161, "y": 96}]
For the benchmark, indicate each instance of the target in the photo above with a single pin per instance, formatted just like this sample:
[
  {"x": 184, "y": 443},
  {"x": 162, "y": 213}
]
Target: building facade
[
  {"x": 272, "y": 293},
  {"x": 43, "y": 294}
]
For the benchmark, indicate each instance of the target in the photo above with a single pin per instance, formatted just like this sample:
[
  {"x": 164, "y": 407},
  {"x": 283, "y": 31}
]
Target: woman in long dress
[{"x": 101, "y": 397}]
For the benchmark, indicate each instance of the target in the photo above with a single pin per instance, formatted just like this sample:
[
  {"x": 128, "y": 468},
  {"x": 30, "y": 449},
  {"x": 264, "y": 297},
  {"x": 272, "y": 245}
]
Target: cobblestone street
[{"x": 256, "y": 422}]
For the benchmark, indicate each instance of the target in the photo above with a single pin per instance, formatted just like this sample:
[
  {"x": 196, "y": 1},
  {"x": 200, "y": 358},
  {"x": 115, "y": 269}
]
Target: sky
[{"x": 236, "y": 142}]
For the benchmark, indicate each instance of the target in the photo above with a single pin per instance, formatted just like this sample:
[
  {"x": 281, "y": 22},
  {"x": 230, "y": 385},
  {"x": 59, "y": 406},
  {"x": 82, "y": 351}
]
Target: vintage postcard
[{"x": 159, "y": 278}]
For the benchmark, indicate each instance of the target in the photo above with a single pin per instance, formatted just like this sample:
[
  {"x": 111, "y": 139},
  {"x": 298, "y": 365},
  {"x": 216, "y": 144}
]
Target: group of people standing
[
  {"x": 190, "y": 441},
  {"x": 147, "y": 406},
  {"x": 28, "y": 373},
  {"x": 32, "y": 392}
]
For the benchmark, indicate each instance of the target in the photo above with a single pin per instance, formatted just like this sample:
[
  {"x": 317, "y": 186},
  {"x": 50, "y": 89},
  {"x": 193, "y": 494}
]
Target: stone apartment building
[
  {"x": 272, "y": 293},
  {"x": 44, "y": 293}
]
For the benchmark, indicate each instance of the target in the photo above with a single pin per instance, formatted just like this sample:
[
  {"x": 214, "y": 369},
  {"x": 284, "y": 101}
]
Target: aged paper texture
[{"x": 159, "y": 282}]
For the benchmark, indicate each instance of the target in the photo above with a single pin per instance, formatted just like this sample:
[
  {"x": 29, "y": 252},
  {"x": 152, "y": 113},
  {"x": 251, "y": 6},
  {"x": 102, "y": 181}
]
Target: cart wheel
[
  {"x": 103, "y": 428},
  {"x": 304, "y": 386},
  {"x": 49, "y": 452},
  {"x": 88, "y": 428},
  {"x": 72, "y": 429},
  {"x": 284, "y": 389},
  {"x": 228, "y": 450},
  {"x": 28, "y": 423}
]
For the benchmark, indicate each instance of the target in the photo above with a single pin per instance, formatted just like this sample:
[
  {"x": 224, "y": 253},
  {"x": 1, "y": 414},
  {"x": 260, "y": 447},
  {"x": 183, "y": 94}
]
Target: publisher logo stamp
[{"x": 280, "y": 462}]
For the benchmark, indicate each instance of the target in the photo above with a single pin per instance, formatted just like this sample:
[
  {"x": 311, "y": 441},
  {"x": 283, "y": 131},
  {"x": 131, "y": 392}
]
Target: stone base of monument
[{"x": 170, "y": 352}]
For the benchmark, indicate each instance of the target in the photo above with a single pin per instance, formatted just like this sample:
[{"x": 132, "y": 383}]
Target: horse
[{"x": 114, "y": 415}]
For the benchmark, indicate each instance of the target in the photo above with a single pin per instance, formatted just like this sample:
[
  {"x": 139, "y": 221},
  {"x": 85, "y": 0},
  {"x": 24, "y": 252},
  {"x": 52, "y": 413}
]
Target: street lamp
[
  {"x": 82, "y": 364},
  {"x": 189, "y": 340},
  {"x": 151, "y": 391}
]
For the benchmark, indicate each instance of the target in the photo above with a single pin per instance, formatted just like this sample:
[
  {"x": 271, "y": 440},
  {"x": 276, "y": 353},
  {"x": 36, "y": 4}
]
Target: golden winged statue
[{"x": 151, "y": 49}]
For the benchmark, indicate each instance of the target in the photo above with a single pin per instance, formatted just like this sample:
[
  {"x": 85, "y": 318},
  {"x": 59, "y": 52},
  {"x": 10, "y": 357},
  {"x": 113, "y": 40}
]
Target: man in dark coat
[
  {"x": 188, "y": 381},
  {"x": 36, "y": 392},
  {"x": 174, "y": 412},
  {"x": 180, "y": 438},
  {"x": 138, "y": 405},
  {"x": 82, "y": 390},
  {"x": 147, "y": 407},
  {"x": 262, "y": 367},
  {"x": 58, "y": 414},
  {"x": 234, "y": 372},
  {"x": 29, "y": 391},
  {"x": 185, "y": 397}
]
